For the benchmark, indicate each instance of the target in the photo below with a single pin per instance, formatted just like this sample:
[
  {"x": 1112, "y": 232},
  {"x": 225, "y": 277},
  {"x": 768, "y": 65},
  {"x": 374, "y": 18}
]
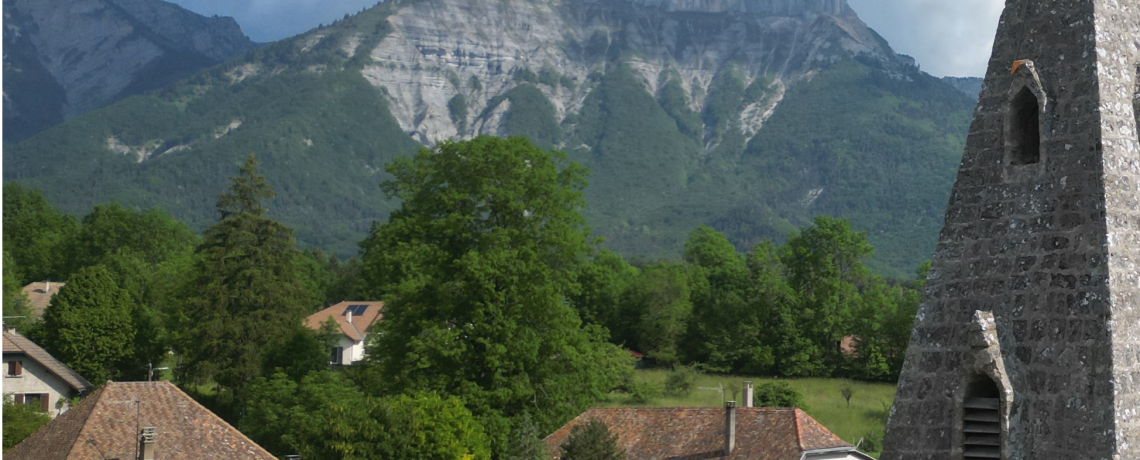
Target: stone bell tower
[{"x": 1027, "y": 344}]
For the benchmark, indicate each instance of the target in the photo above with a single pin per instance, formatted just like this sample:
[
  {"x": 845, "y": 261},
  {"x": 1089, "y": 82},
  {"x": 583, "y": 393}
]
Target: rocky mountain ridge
[
  {"x": 64, "y": 58},
  {"x": 444, "y": 49},
  {"x": 686, "y": 113}
]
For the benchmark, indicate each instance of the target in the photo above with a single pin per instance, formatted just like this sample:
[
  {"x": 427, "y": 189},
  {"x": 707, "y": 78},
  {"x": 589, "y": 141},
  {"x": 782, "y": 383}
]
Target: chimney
[
  {"x": 47, "y": 287},
  {"x": 729, "y": 427},
  {"x": 146, "y": 443},
  {"x": 747, "y": 396},
  {"x": 349, "y": 314}
]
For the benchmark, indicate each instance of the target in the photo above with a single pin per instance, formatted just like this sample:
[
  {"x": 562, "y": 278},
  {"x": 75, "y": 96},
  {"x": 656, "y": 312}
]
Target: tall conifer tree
[{"x": 248, "y": 296}]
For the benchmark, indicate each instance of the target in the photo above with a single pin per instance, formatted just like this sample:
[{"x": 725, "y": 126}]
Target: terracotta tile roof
[
  {"x": 14, "y": 343},
  {"x": 39, "y": 296},
  {"x": 694, "y": 433},
  {"x": 361, "y": 322},
  {"x": 103, "y": 426}
]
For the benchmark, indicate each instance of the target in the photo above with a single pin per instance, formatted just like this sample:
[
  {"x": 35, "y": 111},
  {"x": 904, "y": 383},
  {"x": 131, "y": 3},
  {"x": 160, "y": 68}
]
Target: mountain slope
[
  {"x": 748, "y": 115},
  {"x": 68, "y": 57}
]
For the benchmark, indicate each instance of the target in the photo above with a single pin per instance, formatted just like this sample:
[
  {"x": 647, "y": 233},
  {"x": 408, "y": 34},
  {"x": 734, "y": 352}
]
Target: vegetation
[
  {"x": 474, "y": 267},
  {"x": 247, "y": 295},
  {"x": 88, "y": 325},
  {"x": 591, "y": 440},
  {"x": 20, "y": 421}
]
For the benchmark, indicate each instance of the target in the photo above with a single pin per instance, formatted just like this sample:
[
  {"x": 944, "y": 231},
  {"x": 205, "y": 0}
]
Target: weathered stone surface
[
  {"x": 1049, "y": 247},
  {"x": 436, "y": 49}
]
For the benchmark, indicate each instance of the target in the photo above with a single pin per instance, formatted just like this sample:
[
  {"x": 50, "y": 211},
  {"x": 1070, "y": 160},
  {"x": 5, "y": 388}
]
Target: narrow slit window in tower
[
  {"x": 982, "y": 420},
  {"x": 1025, "y": 141}
]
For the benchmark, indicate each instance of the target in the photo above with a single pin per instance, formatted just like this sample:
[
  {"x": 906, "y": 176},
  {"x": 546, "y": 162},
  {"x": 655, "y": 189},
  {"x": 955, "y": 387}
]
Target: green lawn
[{"x": 867, "y": 413}]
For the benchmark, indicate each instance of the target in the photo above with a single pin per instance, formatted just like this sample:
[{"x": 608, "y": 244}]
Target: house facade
[
  {"x": 33, "y": 376},
  {"x": 353, "y": 321}
]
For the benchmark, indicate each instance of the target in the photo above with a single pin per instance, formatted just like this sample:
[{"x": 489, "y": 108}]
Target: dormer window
[{"x": 1024, "y": 129}]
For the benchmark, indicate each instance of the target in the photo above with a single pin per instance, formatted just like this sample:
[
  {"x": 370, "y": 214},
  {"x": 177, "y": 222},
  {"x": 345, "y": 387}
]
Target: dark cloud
[
  {"x": 269, "y": 20},
  {"x": 946, "y": 37}
]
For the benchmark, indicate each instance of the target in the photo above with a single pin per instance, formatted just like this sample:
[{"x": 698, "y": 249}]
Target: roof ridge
[{"x": 799, "y": 433}]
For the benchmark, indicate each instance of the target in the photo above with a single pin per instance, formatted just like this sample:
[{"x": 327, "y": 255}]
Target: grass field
[{"x": 866, "y": 415}]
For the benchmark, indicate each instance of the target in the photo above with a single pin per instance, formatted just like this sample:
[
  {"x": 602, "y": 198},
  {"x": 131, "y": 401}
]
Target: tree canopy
[
  {"x": 475, "y": 268},
  {"x": 246, "y": 293}
]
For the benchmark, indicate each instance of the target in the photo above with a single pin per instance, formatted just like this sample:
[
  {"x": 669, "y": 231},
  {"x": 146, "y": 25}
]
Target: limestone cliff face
[
  {"x": 96, "y": 51},
  {"x": 439, "y": 49}
]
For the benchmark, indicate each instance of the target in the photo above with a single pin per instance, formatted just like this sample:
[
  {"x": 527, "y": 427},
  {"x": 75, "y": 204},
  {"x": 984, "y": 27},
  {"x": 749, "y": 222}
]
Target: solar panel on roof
[{"x": 356, "y": 310}]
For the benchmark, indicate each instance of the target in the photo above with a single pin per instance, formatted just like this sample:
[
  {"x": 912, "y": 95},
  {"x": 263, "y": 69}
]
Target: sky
[{"x": 946, "y": 37}]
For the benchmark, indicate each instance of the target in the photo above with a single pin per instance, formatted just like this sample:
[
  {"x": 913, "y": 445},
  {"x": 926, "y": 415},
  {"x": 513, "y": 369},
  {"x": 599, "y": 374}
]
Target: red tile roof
[
  {"x": 39, "y": 296},
  {"x": 693, "y": 433},
  {"x": 16, "y": 344},
  {"x": 106, "y": 425},
  {"x": 360, "y": 324}
]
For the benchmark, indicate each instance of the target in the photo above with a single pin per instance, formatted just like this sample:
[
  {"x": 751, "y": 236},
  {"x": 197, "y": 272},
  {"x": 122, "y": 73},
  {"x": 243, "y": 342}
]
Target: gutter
[{"x": 835, "y": 450}]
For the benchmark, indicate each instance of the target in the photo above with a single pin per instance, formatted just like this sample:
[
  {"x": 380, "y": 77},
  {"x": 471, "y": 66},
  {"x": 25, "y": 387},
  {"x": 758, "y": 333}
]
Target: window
[
  {"x": 15, "y": 368},
  {"x": 1024, "y": 129},
  {"x": 982, "y": 419},
  {"x": 337, "y": 355},
  {"x": 39, "y": 400}
]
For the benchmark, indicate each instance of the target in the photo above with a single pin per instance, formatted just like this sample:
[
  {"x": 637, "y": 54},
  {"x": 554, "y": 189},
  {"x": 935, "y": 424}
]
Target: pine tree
[
  {"x": 247, "y": 293},
  {"x": 591, "y": 441}
]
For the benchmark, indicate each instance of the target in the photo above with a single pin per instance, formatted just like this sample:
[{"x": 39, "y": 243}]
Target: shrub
[{"x": 681, "y": 381}]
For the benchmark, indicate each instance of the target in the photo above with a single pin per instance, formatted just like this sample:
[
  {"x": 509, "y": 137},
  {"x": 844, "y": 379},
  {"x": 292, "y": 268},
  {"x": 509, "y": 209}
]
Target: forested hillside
[{"x": 749, "y": 123}]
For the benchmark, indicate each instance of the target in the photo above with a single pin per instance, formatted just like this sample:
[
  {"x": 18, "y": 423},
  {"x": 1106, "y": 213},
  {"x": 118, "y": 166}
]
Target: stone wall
[{"x": 1049, "y": 248}]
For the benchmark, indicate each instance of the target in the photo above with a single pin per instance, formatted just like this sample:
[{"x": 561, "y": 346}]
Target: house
[
  {"x": 137, "y": 420},
  {"x": 32, "y": 376},
  {"x": 729, "y": 433},
  {"x": 39, "y": 296},
  {"x": 354, "y": 320}
]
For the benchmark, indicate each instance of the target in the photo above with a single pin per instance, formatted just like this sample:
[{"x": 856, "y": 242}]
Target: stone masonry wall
[{"x": 1050, "y": 248}]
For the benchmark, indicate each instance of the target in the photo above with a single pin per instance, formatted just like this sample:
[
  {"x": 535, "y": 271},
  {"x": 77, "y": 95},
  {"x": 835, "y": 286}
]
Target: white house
[
  {"x": 32, "y": 376},
  {"x": 354, "y": 320}
]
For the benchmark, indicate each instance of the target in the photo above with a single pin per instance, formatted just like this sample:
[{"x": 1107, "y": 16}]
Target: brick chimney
[
  {"x": 729, "y": 427},
  {"x": 146, "y": 443},
  {"x": 747, "y": 395}
]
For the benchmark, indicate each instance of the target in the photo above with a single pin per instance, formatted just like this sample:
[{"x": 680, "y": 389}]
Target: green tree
[
  {"x": 151, "y": 235},
  {"x": 20, "y": 421},
  {"x": 731, "y": 305},
  {"x": 475, "y": 268},
  {"x": 526, "y": 441},
  {"x": 591, "y": 441},
  {"x": 322, "y": 416},
  {"x": 35, "y": 235},
  {"x": 777, "y": 394},
  {"x": 88, "y": 325},
  {"x": 247, "y": 295},
  {"x": 325, "y": 417},
  {"x": 15, "y": 303},
  {"x": 824, "y": 266},
  {"x": 657, "y": 308}
]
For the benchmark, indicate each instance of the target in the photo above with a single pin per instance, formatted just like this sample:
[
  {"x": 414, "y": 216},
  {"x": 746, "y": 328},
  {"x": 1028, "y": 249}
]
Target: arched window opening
[
  {"x": 1025, "y": 131},
  {"x": 982, "y": 419}
]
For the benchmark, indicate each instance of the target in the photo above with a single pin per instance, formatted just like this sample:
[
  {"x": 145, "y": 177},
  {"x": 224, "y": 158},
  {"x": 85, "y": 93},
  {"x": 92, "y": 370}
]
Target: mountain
[
  {"x": 64, "y": 58},
  {"x": 972, "y": 86},
  {"x": 751, "y": 116}
]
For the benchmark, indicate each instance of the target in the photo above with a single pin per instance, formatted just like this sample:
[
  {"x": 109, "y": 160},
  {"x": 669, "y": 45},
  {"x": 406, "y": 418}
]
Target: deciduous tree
[
  {"x": 475, "y": 268},
  {"x": 88, "y": 325}
]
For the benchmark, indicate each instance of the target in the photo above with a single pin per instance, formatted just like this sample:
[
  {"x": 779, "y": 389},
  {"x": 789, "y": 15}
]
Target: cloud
[
  {"x": 946, "y": 37},
  {"x": 269, "y": 20}
]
